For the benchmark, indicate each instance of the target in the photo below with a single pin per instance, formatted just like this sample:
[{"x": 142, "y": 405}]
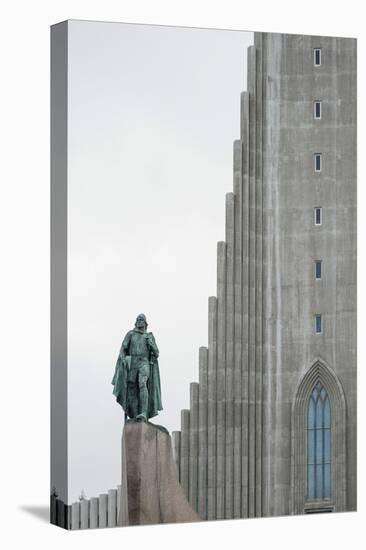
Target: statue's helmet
[{"x": 141, "y": 317}]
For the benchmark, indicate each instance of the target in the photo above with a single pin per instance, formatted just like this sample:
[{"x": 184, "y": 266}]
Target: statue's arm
[
  {"x": 153, "y": 347},
  {"x": 125, "y": 345}
]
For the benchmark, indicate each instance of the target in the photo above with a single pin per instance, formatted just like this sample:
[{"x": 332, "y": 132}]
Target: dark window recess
[
  {"x": 318, "y": 270},
  {"x": 318, "y": 162},
  {"x": 318, "y": 113},
  {"x": 318, "y": 216},
  {"x": 318, "y": 323},
  {"x": 317, "y": 57}
]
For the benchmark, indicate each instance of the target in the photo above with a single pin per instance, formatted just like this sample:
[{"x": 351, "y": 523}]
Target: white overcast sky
[{"x": 153, "y": 113}]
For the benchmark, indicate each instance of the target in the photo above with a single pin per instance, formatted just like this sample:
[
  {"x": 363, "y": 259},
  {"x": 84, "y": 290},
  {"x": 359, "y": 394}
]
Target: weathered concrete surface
[
  {"x": 263, "y": 351},
  {"x": 290, "y": 245},
  {"x": 153, "y": 493}
]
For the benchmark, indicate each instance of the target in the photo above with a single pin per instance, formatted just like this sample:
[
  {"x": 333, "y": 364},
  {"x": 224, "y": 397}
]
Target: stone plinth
[{"x": 152, "y": 493}]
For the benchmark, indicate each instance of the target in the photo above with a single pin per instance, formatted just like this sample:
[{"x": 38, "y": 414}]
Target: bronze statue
[{"x": 136, "y": 381}]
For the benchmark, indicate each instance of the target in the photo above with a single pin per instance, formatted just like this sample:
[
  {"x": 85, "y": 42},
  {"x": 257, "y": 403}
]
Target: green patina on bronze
[{"x": 136, "y": 381}]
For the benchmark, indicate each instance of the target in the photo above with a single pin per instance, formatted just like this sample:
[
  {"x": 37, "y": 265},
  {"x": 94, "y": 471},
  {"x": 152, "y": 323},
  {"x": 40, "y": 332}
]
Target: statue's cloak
[{"x": 153, "y": 385}]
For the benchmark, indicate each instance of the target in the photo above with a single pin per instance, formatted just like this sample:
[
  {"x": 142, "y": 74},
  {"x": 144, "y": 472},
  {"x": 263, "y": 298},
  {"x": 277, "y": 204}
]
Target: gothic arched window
[
  {"x": 318, "y": 444},
  {"x": 318, "y": 430}
]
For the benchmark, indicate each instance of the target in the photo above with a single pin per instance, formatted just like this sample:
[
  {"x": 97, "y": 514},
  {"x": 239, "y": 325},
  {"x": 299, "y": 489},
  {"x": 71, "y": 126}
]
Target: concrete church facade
[{"x": 271, "y": 428}]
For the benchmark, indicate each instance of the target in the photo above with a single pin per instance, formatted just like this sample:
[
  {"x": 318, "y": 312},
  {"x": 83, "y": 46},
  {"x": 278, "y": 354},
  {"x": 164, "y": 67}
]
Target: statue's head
[{"x": 141, "y": 322}]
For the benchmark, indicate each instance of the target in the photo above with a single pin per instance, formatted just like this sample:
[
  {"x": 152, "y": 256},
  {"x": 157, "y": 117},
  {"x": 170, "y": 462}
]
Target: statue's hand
[{"x": 148, "y": 339}]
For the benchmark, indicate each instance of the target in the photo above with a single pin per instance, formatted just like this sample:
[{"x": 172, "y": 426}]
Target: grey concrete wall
[
  {"x": 262, "y": 340},
  {"x": 291, "y": 241}
]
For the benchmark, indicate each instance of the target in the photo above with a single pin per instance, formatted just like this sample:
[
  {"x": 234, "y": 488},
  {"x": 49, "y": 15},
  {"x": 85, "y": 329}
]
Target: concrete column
[
  {"x": 176, "y": 451},
  {"x": 211, "y": 407},
  {"x": 119, "y": 493},
  {"x": 112, "y": 507},
  {"x": 258, "y": 279},
  {"x": 229, "y": 358},
  {"x": 103, "y": 506},
  {"x": 94, "y": 502},
  {"x": 193, "y": 445},
  {"x": 245, "y": 308},
  {"x": 184, "y": 451},
  {"x": 84, "y": 514},
  {"x": 238, "y": 281},
  {"x": 221, "y": 348},
  {"x": 75, "y": 515},
  {"x": 202, "y": 433},
  {"x": 252, "y": 278}
]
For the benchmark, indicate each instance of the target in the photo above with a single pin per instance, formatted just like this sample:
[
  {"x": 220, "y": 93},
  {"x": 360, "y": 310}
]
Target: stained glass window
[{"x": 318, "y": 444}]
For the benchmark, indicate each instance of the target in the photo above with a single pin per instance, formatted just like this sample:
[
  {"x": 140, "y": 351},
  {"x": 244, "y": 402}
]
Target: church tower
[{"x": 271, "y": 428}]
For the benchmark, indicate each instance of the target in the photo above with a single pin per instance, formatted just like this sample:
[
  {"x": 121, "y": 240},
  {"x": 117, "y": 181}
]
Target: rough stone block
[{"x": 153, "y": 493}]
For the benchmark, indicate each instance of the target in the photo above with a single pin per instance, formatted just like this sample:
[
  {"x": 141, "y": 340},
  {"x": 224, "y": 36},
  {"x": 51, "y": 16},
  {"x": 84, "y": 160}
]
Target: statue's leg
[
  {"x": 132, "y": 400},
  {"x": 143, "y": 393}
]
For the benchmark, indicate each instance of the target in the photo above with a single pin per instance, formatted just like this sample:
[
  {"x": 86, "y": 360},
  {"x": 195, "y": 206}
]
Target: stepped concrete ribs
[
  {"x": 217, "y": 461},
  {"x": 234, "y": 453}
]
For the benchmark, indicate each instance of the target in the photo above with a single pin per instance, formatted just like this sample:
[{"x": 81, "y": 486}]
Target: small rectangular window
[
  {"x": 317, "y": 57},
  {"x": 317, "y": 162},
  {"x": 318, "y": 323},
  {"x": 318, "y": 215},
  {"x": 317, "y": 109},
  {"x": 318, "y": 269}
]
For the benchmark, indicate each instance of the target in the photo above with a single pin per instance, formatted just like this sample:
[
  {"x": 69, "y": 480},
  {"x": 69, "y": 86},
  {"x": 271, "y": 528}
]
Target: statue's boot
[{"x": 143, "y": 402}]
